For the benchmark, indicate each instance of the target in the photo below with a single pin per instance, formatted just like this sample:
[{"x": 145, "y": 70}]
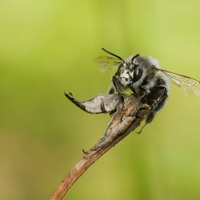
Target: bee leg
[
  {"x": 111, "y": 90},
  {"x": 156, "y": 100},
  {"x": 140, "y": 107},
  {"x": 142, "y": 104},
  {"x": 121, "y": 98},
  {"x": 140, "y": 131},
  {"x": 160, "y": 100},
  {"x": 149, "y": 119}
]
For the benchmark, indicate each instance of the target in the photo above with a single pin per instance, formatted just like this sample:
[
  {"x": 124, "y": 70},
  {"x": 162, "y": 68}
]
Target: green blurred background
[{"x": 46, "y": 48}]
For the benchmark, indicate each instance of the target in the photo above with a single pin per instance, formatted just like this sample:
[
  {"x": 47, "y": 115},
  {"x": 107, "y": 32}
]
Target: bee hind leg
[
  {"x": 149, "y": 119},
  {"x": 156, "y": 100}
]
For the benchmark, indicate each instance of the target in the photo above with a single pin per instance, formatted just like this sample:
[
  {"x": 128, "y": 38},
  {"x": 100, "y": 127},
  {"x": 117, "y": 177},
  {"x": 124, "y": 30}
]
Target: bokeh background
[{"x": 46, "y": 48}]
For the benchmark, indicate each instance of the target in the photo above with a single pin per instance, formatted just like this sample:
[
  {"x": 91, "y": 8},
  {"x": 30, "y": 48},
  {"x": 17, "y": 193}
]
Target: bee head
[{"x": 129, "y": 72}]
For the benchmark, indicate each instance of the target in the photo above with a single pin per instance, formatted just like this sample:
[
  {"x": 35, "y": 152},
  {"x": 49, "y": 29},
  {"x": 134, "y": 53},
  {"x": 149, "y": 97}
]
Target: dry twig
[{"x": 125, "y": 117}]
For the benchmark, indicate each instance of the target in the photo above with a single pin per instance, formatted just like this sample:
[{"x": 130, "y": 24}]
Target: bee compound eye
[{"x": 137, "y": 73}]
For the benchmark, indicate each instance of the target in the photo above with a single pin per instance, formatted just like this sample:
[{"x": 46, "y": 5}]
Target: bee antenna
[
  {"x": 133, "y": 59},
  {"x": 113, "y": 55}
]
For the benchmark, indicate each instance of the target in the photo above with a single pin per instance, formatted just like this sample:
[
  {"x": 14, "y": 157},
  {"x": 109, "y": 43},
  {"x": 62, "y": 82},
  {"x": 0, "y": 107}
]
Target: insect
[{"x": 141, "y": 76}]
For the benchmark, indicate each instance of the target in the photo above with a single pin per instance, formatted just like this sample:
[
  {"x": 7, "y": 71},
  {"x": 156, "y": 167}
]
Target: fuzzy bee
[{"x": 141, "y": 76}]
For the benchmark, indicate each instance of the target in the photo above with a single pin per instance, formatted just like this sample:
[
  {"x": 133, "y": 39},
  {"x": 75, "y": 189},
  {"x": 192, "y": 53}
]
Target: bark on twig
[{"x": 126, "y": 117}]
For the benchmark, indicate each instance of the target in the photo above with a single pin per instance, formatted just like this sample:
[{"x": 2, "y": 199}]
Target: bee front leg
[
  {"x": 115, "y": 84},
  {"x": 111, "y": 90}
]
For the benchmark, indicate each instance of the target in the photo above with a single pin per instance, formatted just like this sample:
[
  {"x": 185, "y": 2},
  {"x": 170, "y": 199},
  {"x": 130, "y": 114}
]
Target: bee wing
[
  {"x": 187, "y": 84},
  {"x": 106, "y": 62}
]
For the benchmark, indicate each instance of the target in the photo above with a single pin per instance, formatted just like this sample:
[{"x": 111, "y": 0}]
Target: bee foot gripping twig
[
  {"x": 140, "y": 107},
  {"x": 141, "y": 129}
]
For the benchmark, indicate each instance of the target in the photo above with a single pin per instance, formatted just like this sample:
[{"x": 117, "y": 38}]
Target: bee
[{"x": 142, "y": 77}]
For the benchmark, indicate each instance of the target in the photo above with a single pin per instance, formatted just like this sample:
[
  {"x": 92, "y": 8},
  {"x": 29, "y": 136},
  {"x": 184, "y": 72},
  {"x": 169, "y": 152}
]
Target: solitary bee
[{"x": 142, "y": 77}]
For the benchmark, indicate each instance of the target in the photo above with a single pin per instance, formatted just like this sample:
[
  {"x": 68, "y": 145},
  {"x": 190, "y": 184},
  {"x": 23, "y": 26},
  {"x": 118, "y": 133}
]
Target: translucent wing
[
  {"x": 187, "y": 84},
  {"x": 106, "y": 62}
]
